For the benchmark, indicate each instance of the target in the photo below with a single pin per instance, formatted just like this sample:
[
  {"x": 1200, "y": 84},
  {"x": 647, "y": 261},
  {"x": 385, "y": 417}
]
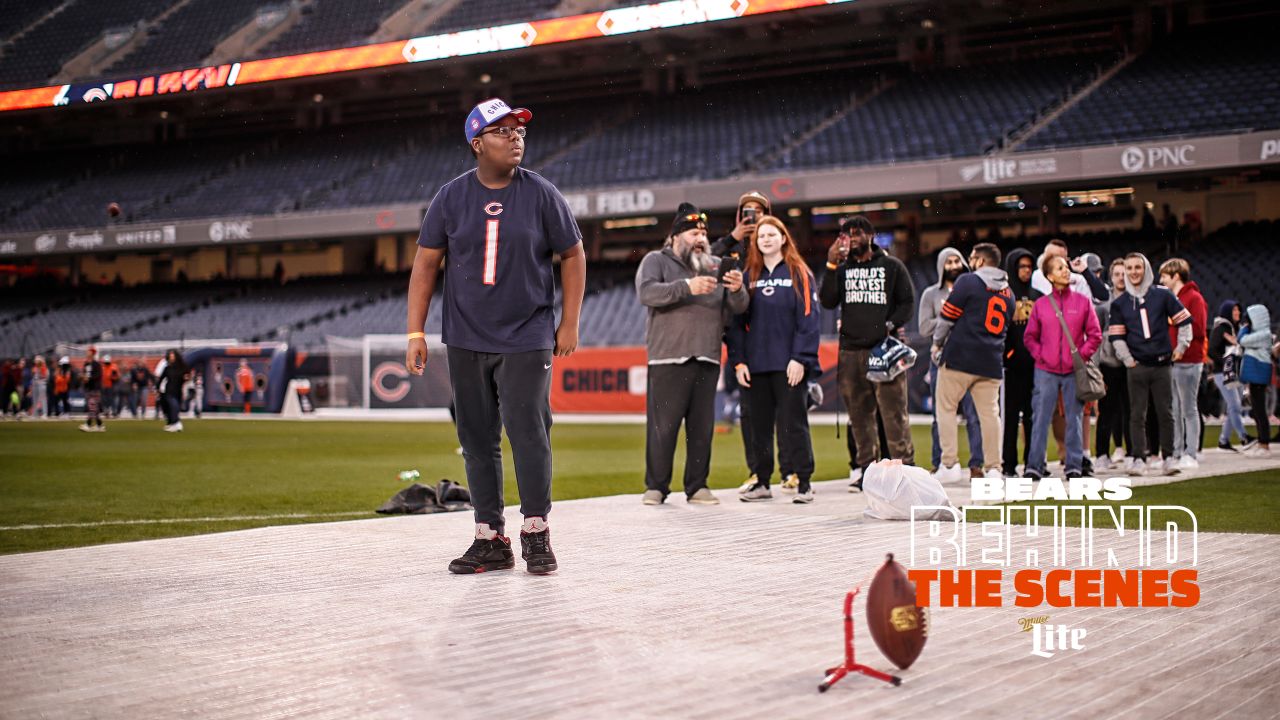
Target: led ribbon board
[{"x": 620, "y": 21}]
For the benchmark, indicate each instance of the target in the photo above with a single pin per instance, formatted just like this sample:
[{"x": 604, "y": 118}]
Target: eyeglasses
[{"x": 505, "y": 131}]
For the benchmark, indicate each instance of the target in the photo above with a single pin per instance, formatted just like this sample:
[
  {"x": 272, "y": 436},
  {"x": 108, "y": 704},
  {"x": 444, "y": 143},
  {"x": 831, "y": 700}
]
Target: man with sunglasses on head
[
  {"x": 497, "y": 229},
  {"x": 876, "y": 299}
]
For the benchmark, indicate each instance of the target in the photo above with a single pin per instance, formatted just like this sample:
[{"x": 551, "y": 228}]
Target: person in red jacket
[
  {"x": 244, "y": 378},
  {"x": 1175, "y": 274}
]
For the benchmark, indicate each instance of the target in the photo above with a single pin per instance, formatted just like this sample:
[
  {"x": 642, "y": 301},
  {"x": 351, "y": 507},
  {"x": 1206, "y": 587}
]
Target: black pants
[
  {"x": 1154, "y": 384},
  {"x": 684, "y": 393},
  {"x": 744, "y": 411},
  {"x": 172, "y": 408},
  {"x": 1018, "y": 384},
  {"x": 1113, "y": 413},
  {"x": 492, "y": 391},
  {"x": 1258, "y": 411},
  {"x": 776, "y": 404}
]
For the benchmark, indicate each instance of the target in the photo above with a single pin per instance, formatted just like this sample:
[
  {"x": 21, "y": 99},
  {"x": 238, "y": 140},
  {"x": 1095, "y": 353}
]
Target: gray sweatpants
[{"x": 492, "y": 391}]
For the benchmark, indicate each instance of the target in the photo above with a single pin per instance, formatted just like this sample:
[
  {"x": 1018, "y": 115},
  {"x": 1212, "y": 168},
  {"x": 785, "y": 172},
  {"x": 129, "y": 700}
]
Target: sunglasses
[{"x": 695, "y": 217}]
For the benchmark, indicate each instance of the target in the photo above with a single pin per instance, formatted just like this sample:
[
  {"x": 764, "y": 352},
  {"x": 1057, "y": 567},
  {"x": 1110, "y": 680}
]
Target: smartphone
[
  {"x": 728, "y": 264},
  {"x": 749, "y": 215}
]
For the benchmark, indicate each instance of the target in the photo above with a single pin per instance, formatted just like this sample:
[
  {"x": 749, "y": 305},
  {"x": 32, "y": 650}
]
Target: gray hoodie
[
  {"x": 933, "y": 296},
  {"x": 682, "y": 326},
  {"x": 1257, "y": 343}
]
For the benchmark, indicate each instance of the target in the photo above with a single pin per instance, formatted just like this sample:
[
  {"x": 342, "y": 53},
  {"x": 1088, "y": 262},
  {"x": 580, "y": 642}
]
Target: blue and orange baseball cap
[{"x": 491, "y": 111}]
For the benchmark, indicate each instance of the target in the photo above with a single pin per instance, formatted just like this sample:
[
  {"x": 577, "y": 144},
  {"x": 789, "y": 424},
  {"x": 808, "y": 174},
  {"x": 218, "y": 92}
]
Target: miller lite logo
[{"x": 493, "y": 208}]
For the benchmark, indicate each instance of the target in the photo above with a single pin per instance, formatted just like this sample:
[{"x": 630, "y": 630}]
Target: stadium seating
[
  {"x": 186, "y": 37},
  {"x": 328, "y": 24},
  {"x": 16, "y": 15},
  {"x": 38, "y": 55},
  {"x": 946, "y": 113},
  {"x": 491, "y": 13},
  {"x": 703, "y": 134},
  {"x": 1198, "y": 83}
]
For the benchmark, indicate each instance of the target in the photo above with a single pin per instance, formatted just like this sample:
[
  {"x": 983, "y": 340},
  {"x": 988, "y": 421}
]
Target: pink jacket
[{"x": 1044, "y": 333}]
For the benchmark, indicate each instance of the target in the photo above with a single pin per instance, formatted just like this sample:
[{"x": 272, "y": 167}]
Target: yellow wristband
[
  {"x": 415, "y": 336},
  {"x": 832, "y": 266}
]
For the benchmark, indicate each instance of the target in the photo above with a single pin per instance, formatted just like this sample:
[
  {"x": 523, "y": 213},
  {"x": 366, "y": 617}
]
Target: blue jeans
[
  {"x": 1186, "y": 410},
  {"x": 1233, "y": 420},
  {"x": 972, "y": 427},
  {"x": 1044, "y": 399}
]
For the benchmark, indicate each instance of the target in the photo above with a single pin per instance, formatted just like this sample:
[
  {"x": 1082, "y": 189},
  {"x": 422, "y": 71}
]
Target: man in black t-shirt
[{"x": 497, "y": 228}]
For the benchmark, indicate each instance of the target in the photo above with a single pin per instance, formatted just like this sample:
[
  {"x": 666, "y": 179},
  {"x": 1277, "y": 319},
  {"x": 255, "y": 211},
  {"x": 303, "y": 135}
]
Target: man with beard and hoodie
[
  {"x": 1222, "y": 338},
  {"x": 1019, "y": 366},
  {"x": 1138, "y": 330},
  {"x": 968, "y": 346},
  {"x": 874, "y": 293},
  {"x": 751, "y": 207},
  {"x": 688, "y": 309},
  {"x": 1175, "y": 274},
  {"x": 951, "y": 265}
]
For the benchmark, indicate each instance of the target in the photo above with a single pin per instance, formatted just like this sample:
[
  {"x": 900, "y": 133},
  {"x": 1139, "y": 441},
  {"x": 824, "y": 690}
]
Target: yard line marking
[{"x": 163, "y": 521}]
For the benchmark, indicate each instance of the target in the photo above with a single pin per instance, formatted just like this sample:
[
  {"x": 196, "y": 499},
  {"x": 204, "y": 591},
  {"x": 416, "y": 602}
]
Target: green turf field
[{"x": 50, "y": 474}]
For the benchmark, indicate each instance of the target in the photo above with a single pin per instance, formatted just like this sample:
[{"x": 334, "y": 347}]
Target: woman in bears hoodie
[
  {"x": 773, "y": 348},
  {"x": 1054, "y": 370},
  {"x": 1256, "y": 371}
]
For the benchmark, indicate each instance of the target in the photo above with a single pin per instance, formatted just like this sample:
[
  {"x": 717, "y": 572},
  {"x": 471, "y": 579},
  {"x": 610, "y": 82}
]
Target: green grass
[
  {"x": 1243, "y": 503},
  {"x": 52, "y": 474}
]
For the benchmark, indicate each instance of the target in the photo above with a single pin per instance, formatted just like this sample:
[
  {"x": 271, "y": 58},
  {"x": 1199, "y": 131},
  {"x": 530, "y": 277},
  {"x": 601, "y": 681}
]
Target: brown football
[
  {"x": 113, "y": 209},
  {"x": 896, "y": 623}
]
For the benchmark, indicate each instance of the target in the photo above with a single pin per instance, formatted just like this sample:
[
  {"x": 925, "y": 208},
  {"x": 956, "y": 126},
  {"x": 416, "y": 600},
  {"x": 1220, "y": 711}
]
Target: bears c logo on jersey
[{"x": 493, "y": 208}]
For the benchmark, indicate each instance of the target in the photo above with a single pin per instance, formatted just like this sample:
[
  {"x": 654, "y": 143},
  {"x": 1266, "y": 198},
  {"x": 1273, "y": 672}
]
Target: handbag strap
[{"x": 1076, "y": 358}]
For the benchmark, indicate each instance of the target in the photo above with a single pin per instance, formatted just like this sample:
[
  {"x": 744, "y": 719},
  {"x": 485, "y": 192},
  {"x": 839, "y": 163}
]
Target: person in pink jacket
[{"x": 1054, "y": 376}]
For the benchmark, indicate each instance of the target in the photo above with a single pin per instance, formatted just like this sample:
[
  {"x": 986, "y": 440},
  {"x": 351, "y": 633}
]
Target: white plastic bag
[{"x": 892, "y": 488}]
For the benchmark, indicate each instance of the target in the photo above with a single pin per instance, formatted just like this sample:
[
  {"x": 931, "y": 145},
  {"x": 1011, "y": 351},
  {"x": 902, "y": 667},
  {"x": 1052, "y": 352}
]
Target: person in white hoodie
[
  {"x": 951, "y": 265},
  {"x": 1256, "y": 370}
]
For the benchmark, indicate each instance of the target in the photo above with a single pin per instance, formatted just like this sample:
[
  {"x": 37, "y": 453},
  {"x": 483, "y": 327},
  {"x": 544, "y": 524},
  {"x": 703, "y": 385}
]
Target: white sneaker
[
  {"x": 1118, "y": 455},
  {"x": 1188, "y": 463},
  {"x": 953, "y": 475},
  {"x": 1257, "y": 451},
  {"x": 1102, "y": 464},
  {"x": 1154, "y": 465},
  {"x": 803, "y": 498},
  {"x": 84, "y": 427},
  {"x": 790, "y": 483},
  {"x": 1169, "y": 467},
  {"x": 993, "y": 474},
  {"x": 745, "y": 487},
  {"x": 855, "y": 480}
]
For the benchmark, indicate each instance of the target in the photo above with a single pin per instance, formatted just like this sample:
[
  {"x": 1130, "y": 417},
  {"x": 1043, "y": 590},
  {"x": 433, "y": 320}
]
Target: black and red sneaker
[
  {"x": 535, "y": 548},
  {"x": 485, "y": 555}
]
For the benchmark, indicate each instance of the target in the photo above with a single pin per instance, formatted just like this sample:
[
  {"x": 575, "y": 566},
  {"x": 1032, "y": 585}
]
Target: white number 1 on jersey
[{"x": 491, "y": 252}]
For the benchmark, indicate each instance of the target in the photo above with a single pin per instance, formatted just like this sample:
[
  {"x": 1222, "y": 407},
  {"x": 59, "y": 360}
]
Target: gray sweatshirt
[
  {"x": 682, "y": 326},
  {"x": 931, "y": 299}
]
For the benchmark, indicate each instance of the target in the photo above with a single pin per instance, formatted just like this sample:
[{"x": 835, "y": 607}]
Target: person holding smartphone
[
  {"x": 688, "y": 309},
  {"x": 732, "y": 251}
]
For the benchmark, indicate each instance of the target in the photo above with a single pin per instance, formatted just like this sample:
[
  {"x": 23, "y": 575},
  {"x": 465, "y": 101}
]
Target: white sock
[
  {"x": 534, "y": 524},
  {"x": 484, "y": 532}
]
